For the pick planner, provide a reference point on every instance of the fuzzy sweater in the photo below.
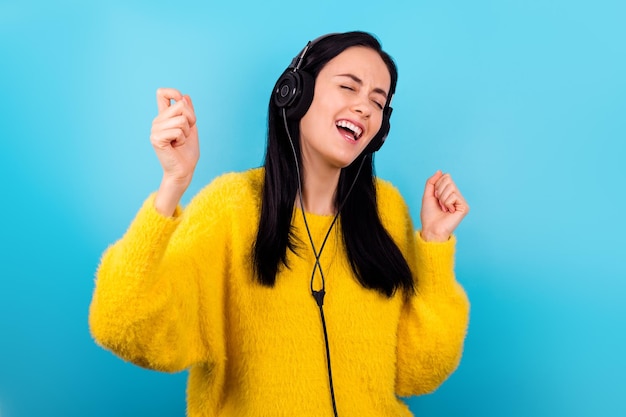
(178, 293)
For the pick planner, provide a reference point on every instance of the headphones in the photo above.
(294, 89)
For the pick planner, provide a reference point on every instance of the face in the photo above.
(347, 109)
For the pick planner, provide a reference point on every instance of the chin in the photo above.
(347, 161)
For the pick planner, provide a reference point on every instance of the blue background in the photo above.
(524, 102)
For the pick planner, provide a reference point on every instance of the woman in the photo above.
(299, 288)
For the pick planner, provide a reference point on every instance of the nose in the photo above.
(362, 107)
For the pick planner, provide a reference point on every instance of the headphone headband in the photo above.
(297, 60)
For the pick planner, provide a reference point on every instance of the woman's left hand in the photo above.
(443, 208)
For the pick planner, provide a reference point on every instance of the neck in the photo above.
(319, 185)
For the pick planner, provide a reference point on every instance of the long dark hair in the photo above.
(374, 257)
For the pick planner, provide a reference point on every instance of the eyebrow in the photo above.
(360, 82)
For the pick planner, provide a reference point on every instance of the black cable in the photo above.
(330, 372)
(319, 295)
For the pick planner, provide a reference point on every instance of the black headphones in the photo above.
(294, 93)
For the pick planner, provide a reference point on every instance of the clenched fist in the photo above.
(443, 208)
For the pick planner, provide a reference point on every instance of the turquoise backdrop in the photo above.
(524, 102)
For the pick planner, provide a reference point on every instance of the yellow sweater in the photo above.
(178, 293)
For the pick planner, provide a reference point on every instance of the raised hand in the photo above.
(443, 208)
(174, 137)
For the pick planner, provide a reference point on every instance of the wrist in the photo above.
(429, 236)
(168, 196)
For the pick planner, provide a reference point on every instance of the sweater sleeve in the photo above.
(433, 322)
(148, 306)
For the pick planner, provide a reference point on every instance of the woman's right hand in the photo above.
(174, 137)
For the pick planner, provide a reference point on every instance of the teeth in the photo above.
(354, 128)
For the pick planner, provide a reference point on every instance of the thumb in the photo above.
(164, 95)
(429, 190)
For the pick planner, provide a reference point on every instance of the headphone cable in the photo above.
(319, 295)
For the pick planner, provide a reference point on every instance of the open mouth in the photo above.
(348, 128)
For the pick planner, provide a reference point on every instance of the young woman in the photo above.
(299, 288)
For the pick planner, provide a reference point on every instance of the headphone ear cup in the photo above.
(378, 140)
(286, 88)
(294, 93)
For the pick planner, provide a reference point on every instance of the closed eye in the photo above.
(380, 106)
(350, 88)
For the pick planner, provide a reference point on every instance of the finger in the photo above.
(177, 109)
(164, 97)
(459, 204)
(163, 139)
(176, 122)
(444, 190)
(443, 180)
(429, 189)
(445, 185)
(450, 202)
(447, 194)
(174, 109)
(192, 110)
